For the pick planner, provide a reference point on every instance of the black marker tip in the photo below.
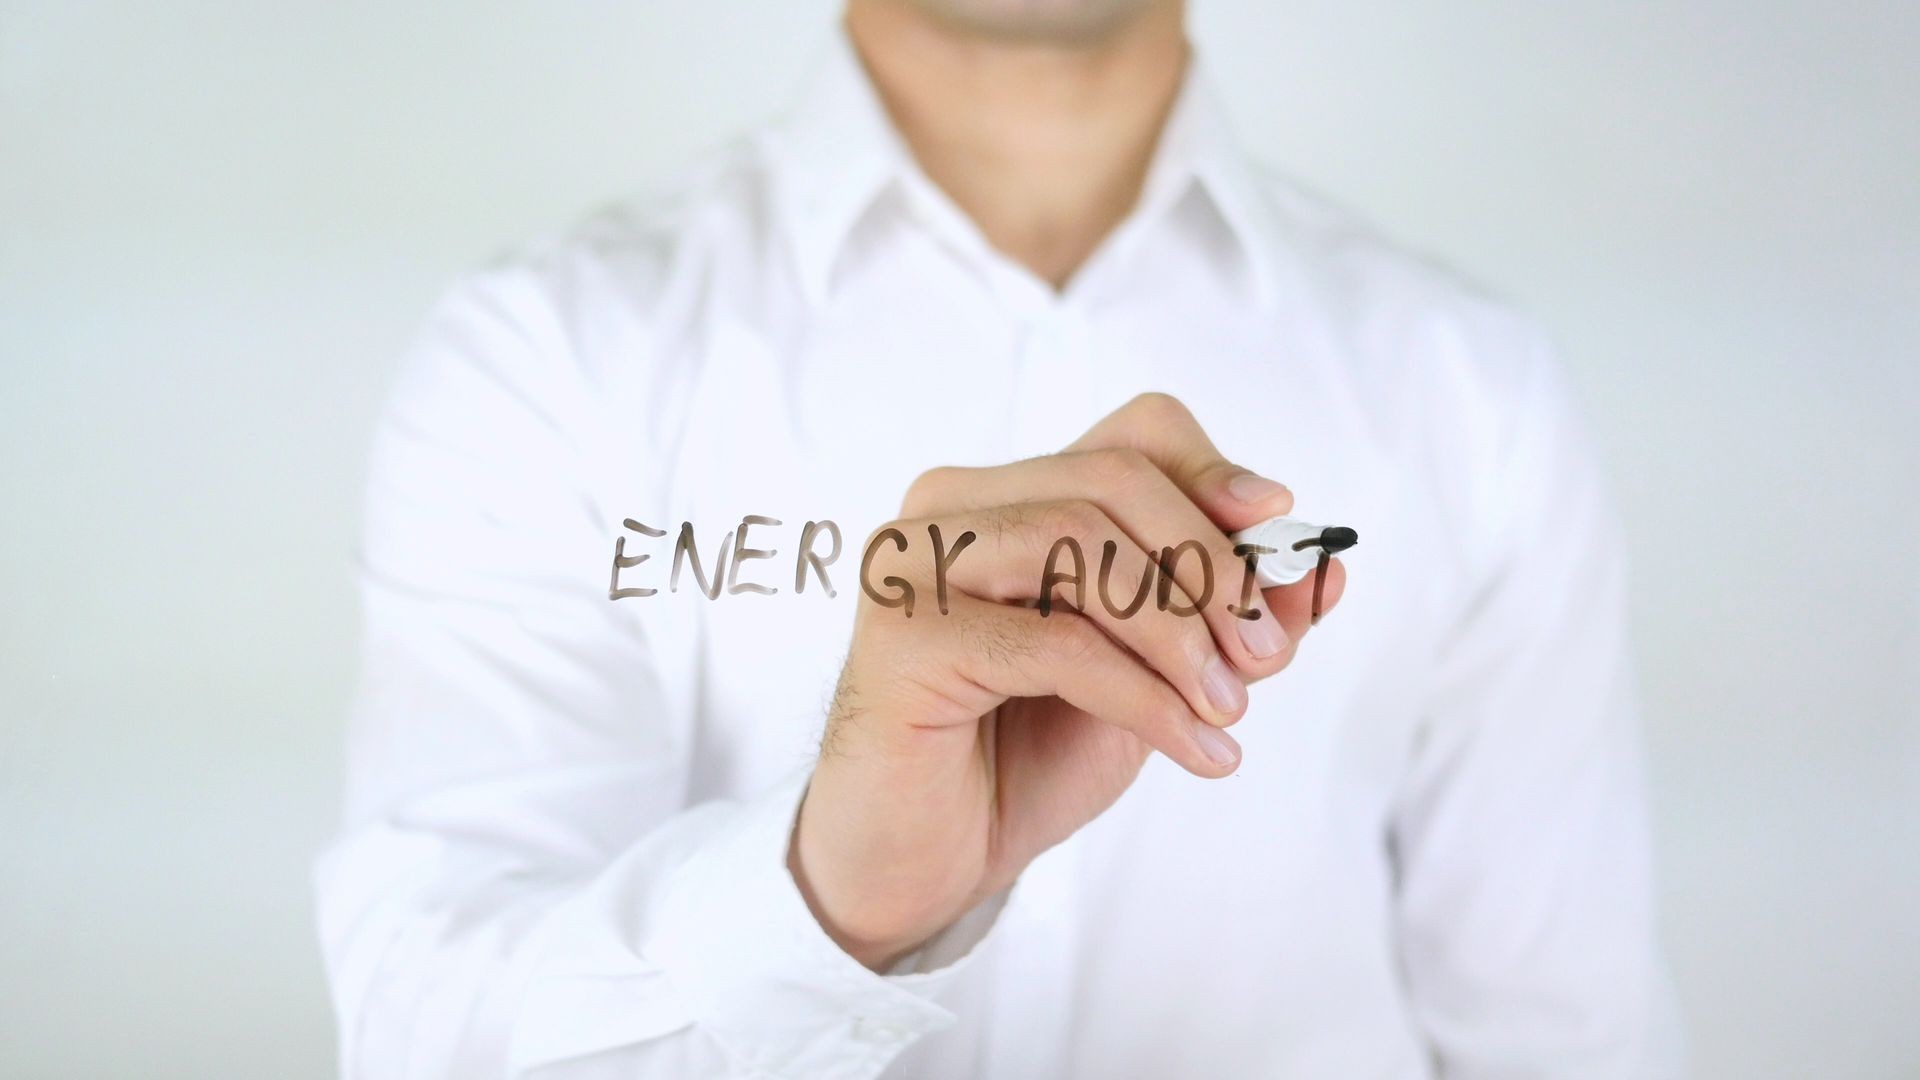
(1337, 538)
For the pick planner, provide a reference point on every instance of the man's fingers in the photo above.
(1161, 427)
(1016, 652)
(1153, 511)
(1118, 591)
(1293, 604)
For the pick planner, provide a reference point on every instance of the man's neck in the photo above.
(1045, 145)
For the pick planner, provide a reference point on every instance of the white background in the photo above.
(218, 222)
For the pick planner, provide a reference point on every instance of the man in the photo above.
(593, 837)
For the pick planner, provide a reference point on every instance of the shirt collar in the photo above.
(837, 152)
(1197, 148)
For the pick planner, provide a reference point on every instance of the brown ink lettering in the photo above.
(1170, 556)
(743, 553)
(902, 599)
(942, 559)
(1251, 553)
(1107, 553)
(685, 546)
(808, 557)
(1051, 577)
(622, 561)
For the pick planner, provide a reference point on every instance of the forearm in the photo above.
(455, 953)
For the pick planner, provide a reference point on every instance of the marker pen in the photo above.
(1296, 547)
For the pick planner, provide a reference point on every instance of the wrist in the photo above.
(857, 937)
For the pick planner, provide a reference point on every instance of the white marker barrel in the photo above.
(1293, 556)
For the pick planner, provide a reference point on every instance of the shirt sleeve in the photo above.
(520, 886)
(1519, 839)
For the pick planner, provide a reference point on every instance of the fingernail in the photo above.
(1216, 744)
(1250, 488)
(1263, 636)
(1224, 689)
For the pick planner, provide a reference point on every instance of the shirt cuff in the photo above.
(754, 967)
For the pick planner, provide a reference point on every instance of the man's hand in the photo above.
(962, 745)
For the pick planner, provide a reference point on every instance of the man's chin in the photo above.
(1057, 22)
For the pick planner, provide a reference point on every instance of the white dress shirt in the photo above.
(564, 848)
